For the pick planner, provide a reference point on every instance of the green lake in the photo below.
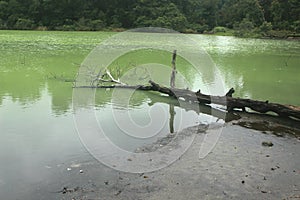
(37, 127)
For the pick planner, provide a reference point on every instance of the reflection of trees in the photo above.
(27, 59)
(21, 85)
(122, 98)
(103, 98)
(259, 76)
(61, 94)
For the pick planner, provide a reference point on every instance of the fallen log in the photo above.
(228, 101)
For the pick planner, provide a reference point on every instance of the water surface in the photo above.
(38, 134)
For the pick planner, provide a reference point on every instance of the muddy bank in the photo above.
(240, 166)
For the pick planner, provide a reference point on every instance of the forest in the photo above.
(245, 18)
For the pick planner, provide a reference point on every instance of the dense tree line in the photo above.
(182, 15)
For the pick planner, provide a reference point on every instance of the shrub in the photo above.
(3, 24)
(266, 27)
(219, 29)
(296, 26)
(24, 24)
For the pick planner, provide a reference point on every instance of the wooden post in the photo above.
(173, 73)
(172, 85)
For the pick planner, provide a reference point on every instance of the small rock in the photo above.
(267, 144)
(243, 182)
(146, 177)
(119, 192)
(64, 190)
(106, 182)
(81, 171)
(69, 169)
(264, 191)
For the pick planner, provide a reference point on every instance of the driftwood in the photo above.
(230, 103)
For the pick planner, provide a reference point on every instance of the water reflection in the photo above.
(148, 115)
(255, 68)
(21, 85)
(61, 96)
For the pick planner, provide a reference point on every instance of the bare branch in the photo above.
(113, 79)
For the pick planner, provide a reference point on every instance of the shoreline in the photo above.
(239, 166)
(287, 37)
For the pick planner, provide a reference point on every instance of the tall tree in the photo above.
(159, 13)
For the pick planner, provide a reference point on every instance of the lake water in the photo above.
(37, 127)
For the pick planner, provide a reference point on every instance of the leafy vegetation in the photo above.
(275, 18)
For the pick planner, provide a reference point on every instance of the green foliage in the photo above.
(24, 24)
(280, 34)
(3, 9)
(159, 14)
(266, 27)
(2, 24)
(235, 11)
(219, 29)
(89, 25)
(244, 28)
(246, 25)
(296, 26)
(247, 17)
(197, 28)
(285, 14)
